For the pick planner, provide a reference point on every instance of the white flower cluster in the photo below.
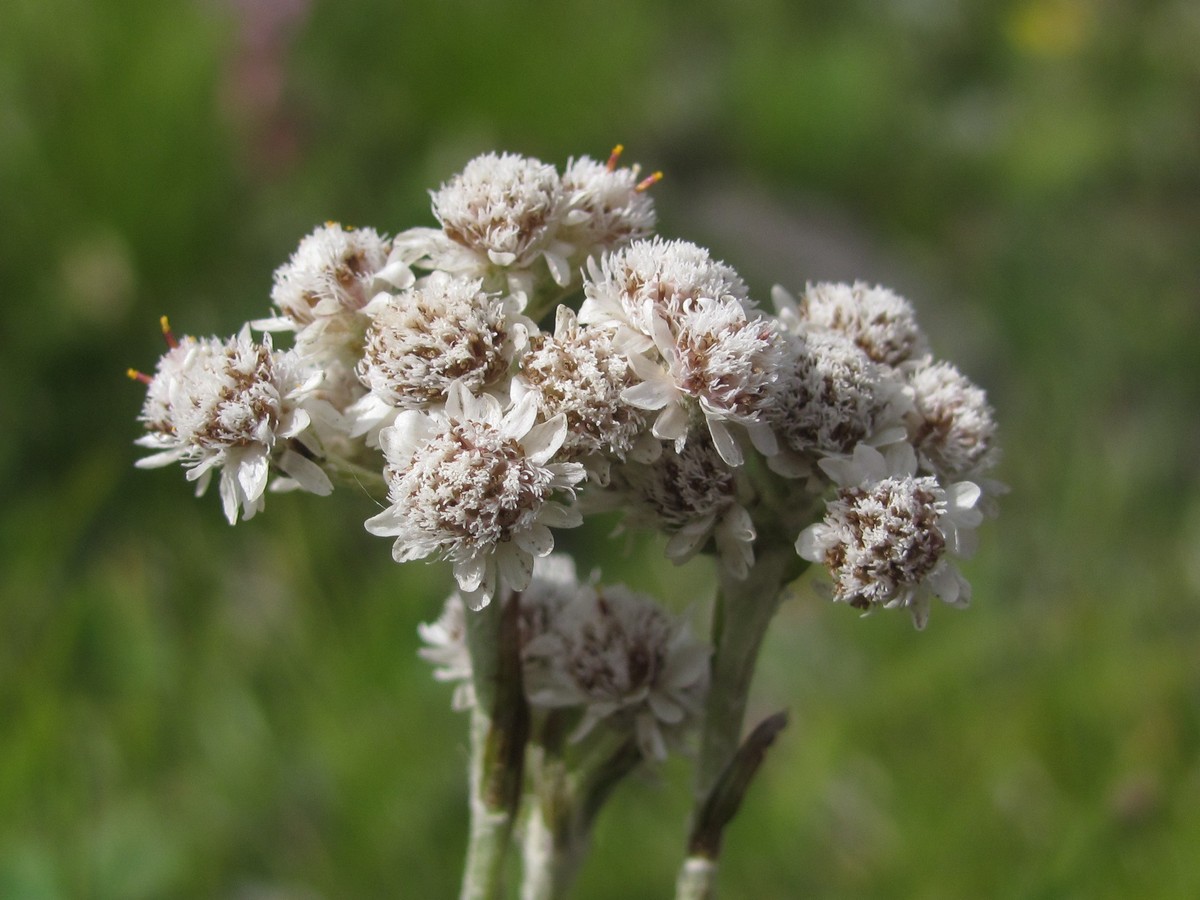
(543, 354)
(604, 654)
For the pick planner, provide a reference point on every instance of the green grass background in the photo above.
(193, 710)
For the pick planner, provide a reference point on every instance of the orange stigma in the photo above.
(135, 375)
(166, 330)
(614, 156)
(649, 180)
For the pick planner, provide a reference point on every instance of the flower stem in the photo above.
(744, 610)
(697, 879)
(558, 830)
(491, 828)
(553, 852)
(499, 730)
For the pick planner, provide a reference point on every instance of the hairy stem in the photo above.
(491, 827)
(553, 848)
(697, 879)
(499, 730)
(558, 831)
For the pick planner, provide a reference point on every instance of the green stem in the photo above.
(354, 475)
(745, 609)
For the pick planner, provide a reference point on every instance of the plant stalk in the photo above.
(744, 611)
(499, 731)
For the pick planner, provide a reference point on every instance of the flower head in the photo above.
(577, 372)
(332, 272)
(713, 358)
(888, 535)
(692, 496)
(829, 397)
(475, 485)
(881, 322)
(553, 584)
(607, 205)
(505, 210)
(444, 329)
(951, 424)
(229, 405)
(632, 288)
(625, 661)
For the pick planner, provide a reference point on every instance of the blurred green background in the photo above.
(193, 710)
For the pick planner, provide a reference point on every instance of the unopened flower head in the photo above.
(504, 207)
(630, 289)
(577, 372)
(225, 404)
(830, 396)
(879, 320)
(625, 661)
(475, 485)
(608, 205)
(332, 272)
(442, 330)
(951, 424)
(888, 535)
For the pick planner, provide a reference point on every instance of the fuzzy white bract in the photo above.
(445, 640)
(230, 405)
(830, 396)
(445, 648)
(631, 290)
(320, 295)
(712, 359)
(683, 320)
(501, 213)
(691, 495)
(614, 656)
(476, 485)
(332, 272)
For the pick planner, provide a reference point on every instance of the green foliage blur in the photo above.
(192, 710)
